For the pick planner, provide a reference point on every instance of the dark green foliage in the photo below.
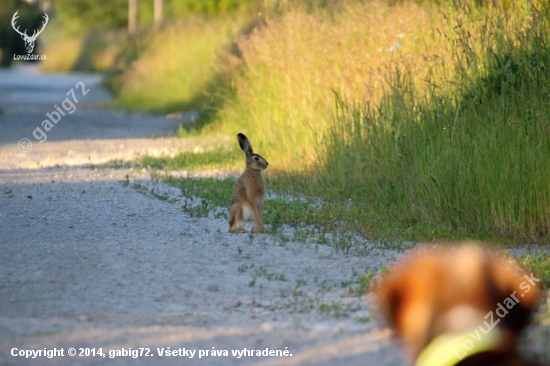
(211, 7)
(509, 71)
(80, 16)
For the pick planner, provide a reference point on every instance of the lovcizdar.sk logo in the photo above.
(29, 40)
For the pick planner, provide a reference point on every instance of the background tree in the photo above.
(82, 16)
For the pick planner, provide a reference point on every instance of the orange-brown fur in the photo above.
(249, 190)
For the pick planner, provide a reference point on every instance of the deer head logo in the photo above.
(29, 41)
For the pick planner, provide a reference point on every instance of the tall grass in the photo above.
(289, 67)
(466, 147)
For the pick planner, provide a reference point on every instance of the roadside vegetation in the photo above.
(392, 120)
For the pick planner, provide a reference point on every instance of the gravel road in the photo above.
(87, 261)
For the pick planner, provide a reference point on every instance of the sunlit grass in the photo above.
(173, 69)
(62, 55)
(218, 158)
(95, 52)
(291, 67)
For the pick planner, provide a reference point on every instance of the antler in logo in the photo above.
(29, 41)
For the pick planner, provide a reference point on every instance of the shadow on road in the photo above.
(49, 119)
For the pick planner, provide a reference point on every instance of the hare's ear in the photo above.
(245, 144)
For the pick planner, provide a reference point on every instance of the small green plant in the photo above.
(162, 196)
(243, 267)
(196, 210)
(335, 309)
(262, 272)
(365, 282)
(539, 264)
(359, 286)
(302, 234)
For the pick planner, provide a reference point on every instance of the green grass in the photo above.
(361, 284)
(217, 158)
(540, 265)
(469, 155)
(175, 68)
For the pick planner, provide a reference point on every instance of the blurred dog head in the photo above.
(458, 306)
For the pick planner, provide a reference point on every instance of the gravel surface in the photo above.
(89, 261)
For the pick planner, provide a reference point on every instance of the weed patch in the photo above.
(538, 264)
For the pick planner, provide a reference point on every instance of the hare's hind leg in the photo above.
(236, 217)
(258, 219)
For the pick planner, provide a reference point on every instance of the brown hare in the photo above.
(249, 192)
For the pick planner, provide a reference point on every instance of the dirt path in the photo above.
(87, 261)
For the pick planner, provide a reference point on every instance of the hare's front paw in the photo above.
(236, 230)
(258, 230)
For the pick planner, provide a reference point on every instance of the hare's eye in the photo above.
(256, 158)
